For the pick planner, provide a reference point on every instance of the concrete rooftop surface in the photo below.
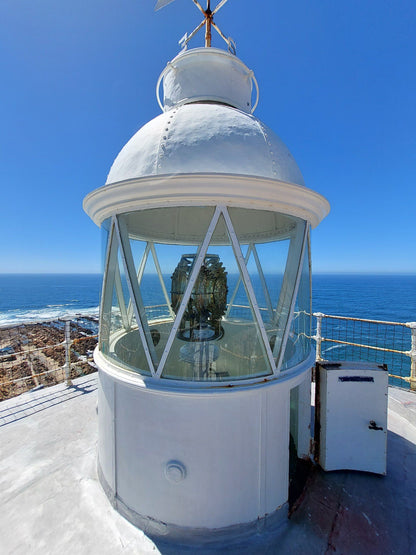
(51, 500)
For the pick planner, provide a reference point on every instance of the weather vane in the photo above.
(208, 21)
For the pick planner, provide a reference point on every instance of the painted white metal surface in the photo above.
(195, 458)
(207, 74)
(202, 138)
(188, 290)
(353, 416)
(205, 190)
(184, 454)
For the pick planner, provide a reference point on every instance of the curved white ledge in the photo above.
(295, 375)
(206, 190)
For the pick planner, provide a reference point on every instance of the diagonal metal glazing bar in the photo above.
(143, 263)
(121, 301)
(233, 296)
(135, 294)
(289, 278)
(202, 250)
(293, 299)
(263, 284)
(160, 275)
(250, 291)
(140, 273)
(107, 288)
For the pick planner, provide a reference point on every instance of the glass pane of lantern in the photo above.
(274, 246)
(285, 304)
(116, 321)
(266, 265)
(108, 292)
(299, 343)
(127, 349)
(105, 235)
(155, 262)
(267, 236)
(157, 298)
(120, 337)
(210, 344)
(122, 290)
(152, 282)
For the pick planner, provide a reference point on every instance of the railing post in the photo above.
(412, 353)
(318, 336)
(68, 352)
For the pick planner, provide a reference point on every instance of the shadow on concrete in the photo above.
(37, 401)
(359, 512)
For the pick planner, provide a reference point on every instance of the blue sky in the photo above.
(337, 84)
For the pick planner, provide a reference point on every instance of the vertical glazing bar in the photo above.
(230, 304)
(202, 250)
(293, 300)
(162, 283)
(135, 294)
(295, 249)
(143, 263)
(120, 297)
(107, 289)
(289, 280)
(263, 284)
(140, 273)
(250, 291)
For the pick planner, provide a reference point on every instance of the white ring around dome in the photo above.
(205, 190)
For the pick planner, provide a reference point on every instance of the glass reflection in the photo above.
(228, 324)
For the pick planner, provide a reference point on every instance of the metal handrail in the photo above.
(319, 339)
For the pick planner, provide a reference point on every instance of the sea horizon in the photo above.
(317, 272)
(31, 297)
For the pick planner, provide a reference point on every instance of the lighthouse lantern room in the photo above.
(204, 352)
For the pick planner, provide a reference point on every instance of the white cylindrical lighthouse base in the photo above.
(183, 461)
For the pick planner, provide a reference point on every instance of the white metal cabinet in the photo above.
(351, 428)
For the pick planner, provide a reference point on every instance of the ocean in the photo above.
(387, 297)
(34, 297)
(26, 298)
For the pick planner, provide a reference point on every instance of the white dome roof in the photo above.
(205, 138)
(206, 149)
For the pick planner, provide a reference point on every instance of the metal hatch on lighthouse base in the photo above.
(204, 353)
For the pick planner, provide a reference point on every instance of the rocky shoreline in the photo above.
(34, 355)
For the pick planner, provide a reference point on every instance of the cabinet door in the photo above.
(354, 418)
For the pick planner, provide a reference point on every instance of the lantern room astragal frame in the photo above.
(273, 320)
